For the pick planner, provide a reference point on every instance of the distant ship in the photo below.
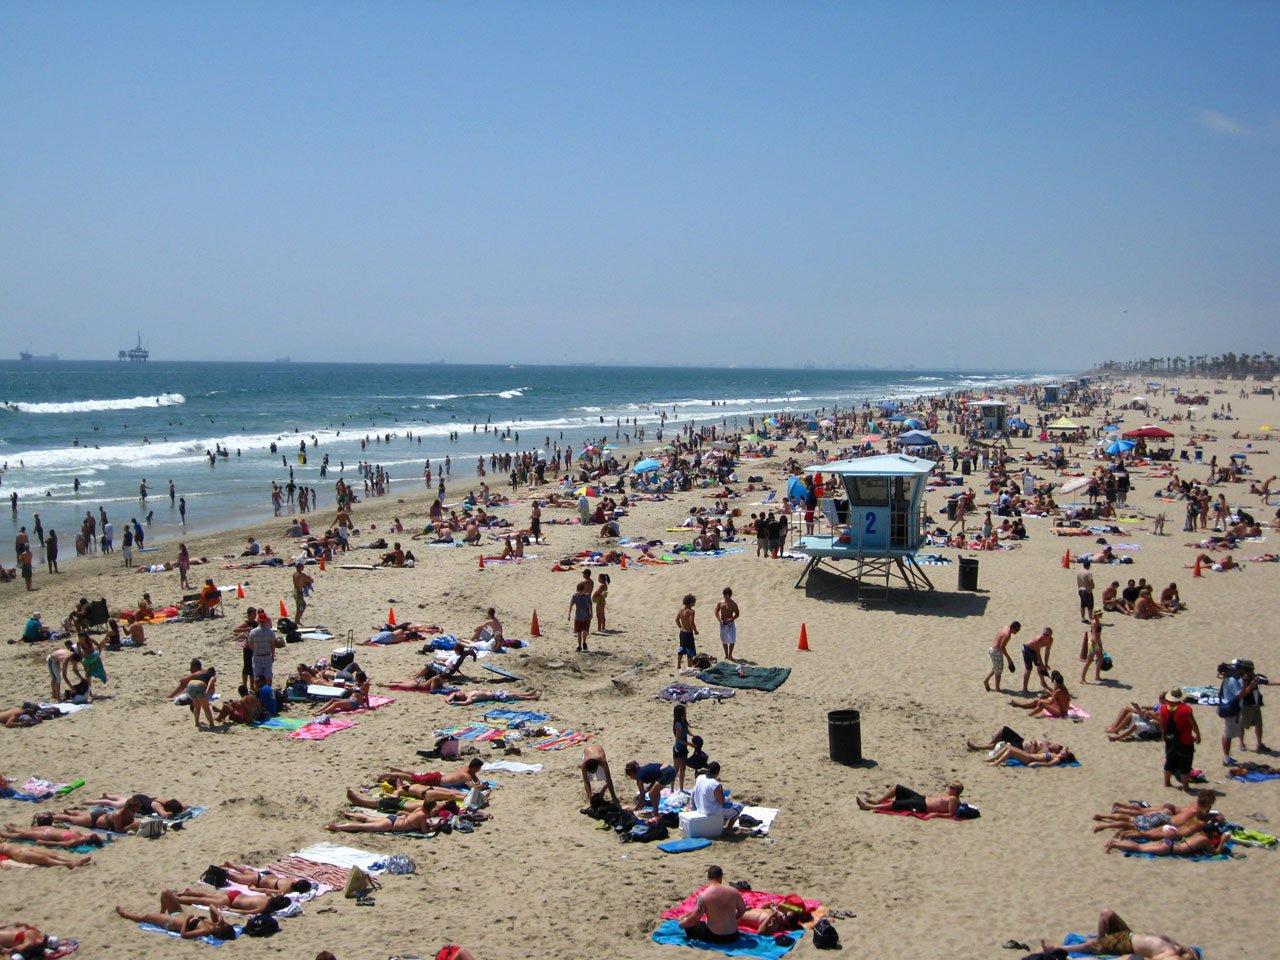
(138, 354)
(26, 356)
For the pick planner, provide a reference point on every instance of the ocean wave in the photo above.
(503, 394)
(90, 406)
(56, 490)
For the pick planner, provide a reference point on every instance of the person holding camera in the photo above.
(1239, 705)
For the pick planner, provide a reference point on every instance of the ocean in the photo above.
(112, 425)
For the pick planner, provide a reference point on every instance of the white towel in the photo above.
(340, 856)
(512, 766)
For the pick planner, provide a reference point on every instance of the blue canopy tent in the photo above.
(888, 406)
(646, 466)
(1019, 424)
(897, 418)
(1117, 447)
(913, 424)
(796, 489)
(917, 438)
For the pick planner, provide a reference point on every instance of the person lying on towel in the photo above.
(1115, 938)
(904, 799)
(406, 779)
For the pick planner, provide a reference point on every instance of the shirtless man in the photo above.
(302, 581)
(490, 628)
(727, 613)
(407, 779)
(189, 926)
(500, 696)
(717, 911)
(597, 780)
(1036, 655)
(999, 654)
(687, 626)
(1128, 816)
(1115, 937)
(902, 798)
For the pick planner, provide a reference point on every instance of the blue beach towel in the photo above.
(515, 718)
(1254, 776)
(670, 933)
(1019, 763)
(1194, 858)
(211, 941)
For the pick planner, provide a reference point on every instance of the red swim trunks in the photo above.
(431, 778)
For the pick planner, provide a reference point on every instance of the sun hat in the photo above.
(1175, 695)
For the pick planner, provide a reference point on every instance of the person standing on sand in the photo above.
(302, 582)
(688, 628)
(580, 613)
(1085, 587)
(727, 613)
(1092, 651)
(1181, 733)
(999, 653)
(51, 550)
(24, 561)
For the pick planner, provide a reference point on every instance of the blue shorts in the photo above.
(687, 644)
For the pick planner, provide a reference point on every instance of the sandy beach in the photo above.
(539, 881)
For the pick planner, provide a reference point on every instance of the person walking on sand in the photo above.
(727, 613)
(580, 613)
(999, 654)
(1181, 733)
(1091, 651)
(24, 562)
(302, 582)
(1085, 587)
(688, 631)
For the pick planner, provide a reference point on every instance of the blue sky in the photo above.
(1011, 184)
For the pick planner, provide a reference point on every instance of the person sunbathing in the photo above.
(415, 821)
(237, 900)
(263, 881)
(99, 817)
(147, 806)
(1135, 722)
(189, 926)
(18, 717)
(39, 857)
(1132, 816)
(1116, 939)
(356, 698)
(490, 628)
(1212, 820)
(248, 709)
(469, 697)
(904, 799)
(767, 921)
(1052, 755)
(407, 779)
(1207, 841)
(1010, 736)
(22, 939)
(51, 836)
(1055, 704)
(426, 797)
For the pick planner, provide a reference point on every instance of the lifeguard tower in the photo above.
(1051, 392)
(992, 413)
(872, 517)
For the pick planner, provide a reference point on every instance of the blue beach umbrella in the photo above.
(796, 489)
(913, 423)
(1018, 423)
(647, 466)
(897, 418)
(1116, 447)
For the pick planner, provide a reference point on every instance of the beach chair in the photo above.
(212, 610)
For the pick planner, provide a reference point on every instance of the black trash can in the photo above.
(844, 736)
(968, 579)
(966, 466)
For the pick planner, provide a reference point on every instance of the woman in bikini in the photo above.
(263, 881)
(102, 817)
(189, 926)
(414, 821)
(356, 698)
(1050, 755)
(40, 857)
(1207, 841)
(147, 805)
(235, 900)
(1055, 704)
(51, 836)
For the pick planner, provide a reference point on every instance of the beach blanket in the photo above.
(1202, 695)
(680, 692)
(36, 790)
(315, 635)
(211, 941)
(1075, 713)
(476, 731)
(511, 766)
(726, 674)
(920, 816)
(66, 709)
(516, 718)
(766, 816)
(566, 738)
(282, 723)
(78, 848)
(748, 944)
(1256, 776)
(1073, 938)
(1193, 858)
(1253, 838)
(1011, 762)
(345, 857)
(315, 730)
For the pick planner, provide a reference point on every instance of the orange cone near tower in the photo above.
(322, 564)
(482, 561)
(1066, 559)
(391, 616)
(622, 561)
(804, 638)
(534, 629)
(239, 591)
(1196, 572)
(284, 611)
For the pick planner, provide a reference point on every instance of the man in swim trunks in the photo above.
(727, 613)
(189, 926)
(501, 696)
(1035, 655)
(688, 629)
(596, 778)
(459, 779)
(904, 799)
(1115, 937)
(999, 653)
(716, 912)
(415, 821)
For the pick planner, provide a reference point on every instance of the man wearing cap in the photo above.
(263, 641)
(1180, 733)
(1251, 703)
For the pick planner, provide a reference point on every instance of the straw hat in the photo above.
(1175, 695)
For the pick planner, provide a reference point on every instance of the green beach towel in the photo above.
(725, 674)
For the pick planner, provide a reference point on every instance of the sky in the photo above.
(1015, 185)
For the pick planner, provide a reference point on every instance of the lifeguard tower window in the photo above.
(868, 491)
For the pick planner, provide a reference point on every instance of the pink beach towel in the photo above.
(320, 731)
(752, 898)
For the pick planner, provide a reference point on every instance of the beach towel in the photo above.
(321, 731)
(1192, 858)
(66, 709)
(511, 766)
(315, 635)
(346, 857)
(680, 692)
(415, 688)
(1256, 776)
(1018, 763)
(1073, 938)
(671, 934)
(920, 816)
(516, 718)
(1253, 838)
(211, 941)
(476, 731)
(565, 739)
(1075, 713)
(282, 723)
(726, 674)
(37, 790)
(65, 948)
(766, 816)
(752, 898)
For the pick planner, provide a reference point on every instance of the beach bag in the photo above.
(215, 876)
(825, 936)
(399, 863)
(262, 925)
(360, 885)
(152, 827)
(1107, 662)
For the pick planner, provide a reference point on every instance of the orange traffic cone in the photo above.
(623, 561)
(1196, 572)
(391, 616)
(1066, 559)
(482, 561)
(534, 630)
(804, 638)
(239, 591)
(322, 564)
(284, 611)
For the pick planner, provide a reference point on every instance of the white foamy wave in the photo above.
(503, 394)
(591, 409)
(57, 490)
(90, 406)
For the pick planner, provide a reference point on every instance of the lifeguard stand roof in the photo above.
(886, 465)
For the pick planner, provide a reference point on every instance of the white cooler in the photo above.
(693, 824)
